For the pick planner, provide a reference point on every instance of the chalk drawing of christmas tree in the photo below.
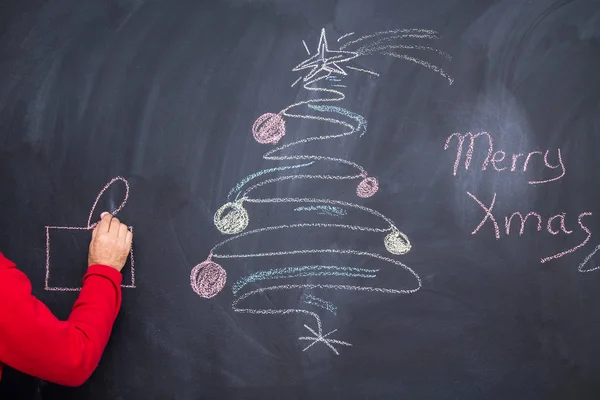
(323, 74)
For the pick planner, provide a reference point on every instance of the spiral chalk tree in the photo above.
(325, 71)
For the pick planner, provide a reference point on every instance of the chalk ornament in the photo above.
(367, 187)
(208, 279)
(269, 128)
(231, 218)
(397, 242)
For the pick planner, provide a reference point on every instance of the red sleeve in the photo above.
(34, 341)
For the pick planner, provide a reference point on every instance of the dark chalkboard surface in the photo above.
(330, 199)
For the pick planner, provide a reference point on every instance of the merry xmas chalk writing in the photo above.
(519, 162)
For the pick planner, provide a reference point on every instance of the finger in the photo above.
(95, 232)
(104, 223)
(129, 239)
(114, 226)
(122, 231)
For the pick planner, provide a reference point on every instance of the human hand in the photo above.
(111, 243)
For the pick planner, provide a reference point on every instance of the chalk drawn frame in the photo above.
(89, 227)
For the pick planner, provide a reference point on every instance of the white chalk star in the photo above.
(325, 61)
(319, 337)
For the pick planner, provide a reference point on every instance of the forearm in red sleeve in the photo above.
(34, 341)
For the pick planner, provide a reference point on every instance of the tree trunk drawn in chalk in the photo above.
(325, 71)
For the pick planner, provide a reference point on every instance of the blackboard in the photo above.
(437, 241)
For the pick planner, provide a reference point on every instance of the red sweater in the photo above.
(34, 341)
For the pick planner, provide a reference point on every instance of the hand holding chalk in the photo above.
(111, 243)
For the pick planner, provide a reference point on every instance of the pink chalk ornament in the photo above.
(367, 187)
(208, 279)
(269, 128)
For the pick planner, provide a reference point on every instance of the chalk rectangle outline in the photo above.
(49, 288)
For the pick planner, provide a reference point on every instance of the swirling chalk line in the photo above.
(582, 267)
(308, 270)
(324, 210)
(325, 71)
(324, 304)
